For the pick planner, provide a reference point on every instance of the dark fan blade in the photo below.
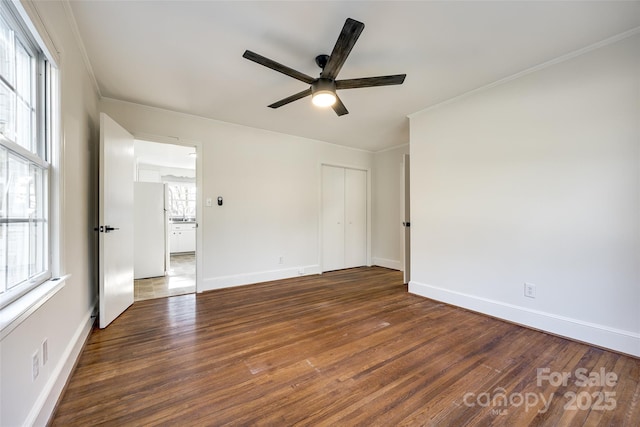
(291, 98)
(252, 56)
(397, 79)
(339, 107)
(350, 33)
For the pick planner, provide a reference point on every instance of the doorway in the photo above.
(165, 201)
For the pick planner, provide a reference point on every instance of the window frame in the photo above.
(44, 80)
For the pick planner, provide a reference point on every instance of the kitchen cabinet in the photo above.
(182, 237)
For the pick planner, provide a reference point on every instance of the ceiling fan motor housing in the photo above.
(323, 85)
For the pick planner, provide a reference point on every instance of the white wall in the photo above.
(387, 214)
(270, 183)
(65, 318)
(536, 180)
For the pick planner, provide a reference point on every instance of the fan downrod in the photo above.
(322, 60)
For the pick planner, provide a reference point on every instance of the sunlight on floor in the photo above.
(180, 280)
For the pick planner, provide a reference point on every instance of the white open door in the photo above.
(406, 219)
(116, 220)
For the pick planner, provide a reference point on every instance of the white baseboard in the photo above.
(44, 406)
(603, 336)
(258, 277)
(387, 263)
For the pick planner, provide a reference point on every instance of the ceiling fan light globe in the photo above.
(323, 98)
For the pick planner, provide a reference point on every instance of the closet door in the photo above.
(355, 250)
(332, 218)
(344, 218)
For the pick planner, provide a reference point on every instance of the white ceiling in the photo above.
(166, 155)
(187, 56)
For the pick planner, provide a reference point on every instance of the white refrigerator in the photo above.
(150, 241)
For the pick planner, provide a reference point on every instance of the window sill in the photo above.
(18, 311)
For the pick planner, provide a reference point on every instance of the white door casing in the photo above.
(115, 211)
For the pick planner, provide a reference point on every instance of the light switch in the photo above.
(209, 202)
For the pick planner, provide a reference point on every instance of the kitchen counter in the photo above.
(182, 221)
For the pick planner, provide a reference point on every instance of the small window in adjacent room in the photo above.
(25, 159)
(182, 200)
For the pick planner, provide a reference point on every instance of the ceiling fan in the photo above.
(323, 89)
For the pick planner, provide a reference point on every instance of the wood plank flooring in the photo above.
(346, 348)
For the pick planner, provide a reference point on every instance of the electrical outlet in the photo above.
(281, 260)
(45, 351)
(35, 365)
(529, 290)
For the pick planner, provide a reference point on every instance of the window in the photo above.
(25, 100)
(182, 201)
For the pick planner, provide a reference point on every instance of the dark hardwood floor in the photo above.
(346, 348)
